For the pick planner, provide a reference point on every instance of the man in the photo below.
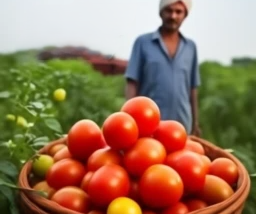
(164, 67)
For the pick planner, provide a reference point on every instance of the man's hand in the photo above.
(196, 131)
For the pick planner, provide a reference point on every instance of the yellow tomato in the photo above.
(59, 94)
(10, 117)
(41, 164)
(123, 205)
(21, 121)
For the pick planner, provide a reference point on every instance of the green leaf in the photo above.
(5, 94)
(53, 124)
(8, 168)
(37, 105)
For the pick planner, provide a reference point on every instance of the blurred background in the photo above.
(83, 47)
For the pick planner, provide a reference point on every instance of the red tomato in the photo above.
(96, 212)
(215, 190)
(190, 167)
(194, 147)
(85, 181)
(146, 152)
(55, 148)
(160, 186)
(134, 191)
(44, 186)
(207, 162)
(195, 204)
(145, 112)
(62, 154)
(172, 135)
(107, 183)
(66, 172)
(102, 157)
(120, 131)
(179, 208)
(225, 169)
(148, 212)
(84, 138)
(72, 198)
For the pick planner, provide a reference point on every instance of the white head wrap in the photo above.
(164, 3)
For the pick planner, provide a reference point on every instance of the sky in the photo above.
(221, 29)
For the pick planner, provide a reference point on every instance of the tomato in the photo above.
(215, 190)
(195, 204)
(95, 212)
(179, 208)
(55, 148)
(59, 94)
(148, 212)
(102, 157)
(85, 181)
(134, 191)
(120, 131)
(171, 134)
(190, 167)
(41, 164)
(194, 147)
(84, 138)
(72, 198)
(44, 187)
(62, 154)
(207, 162)
(66, 172)
(107, 183)
(146, 152)
(225, 169)
(145, 112)
(123, 205)
(160, 186)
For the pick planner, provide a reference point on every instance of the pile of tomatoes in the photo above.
(135, 163)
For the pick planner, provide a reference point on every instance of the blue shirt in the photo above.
(166, 80)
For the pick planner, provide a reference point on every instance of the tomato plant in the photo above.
(145, 112)
(167, 192)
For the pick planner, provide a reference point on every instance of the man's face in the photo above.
(173, 16)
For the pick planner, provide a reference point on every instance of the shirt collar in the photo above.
(156, 35)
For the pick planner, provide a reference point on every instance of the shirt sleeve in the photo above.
(135, 63)
(195, 74)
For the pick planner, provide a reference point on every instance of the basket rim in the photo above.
(243, 188)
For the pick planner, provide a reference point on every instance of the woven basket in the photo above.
(36, 204)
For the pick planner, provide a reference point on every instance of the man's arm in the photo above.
(195, 83)
(194, 107)
(131, 89)
(133, 71)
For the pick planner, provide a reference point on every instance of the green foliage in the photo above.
(227, 113)
(30, 117)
